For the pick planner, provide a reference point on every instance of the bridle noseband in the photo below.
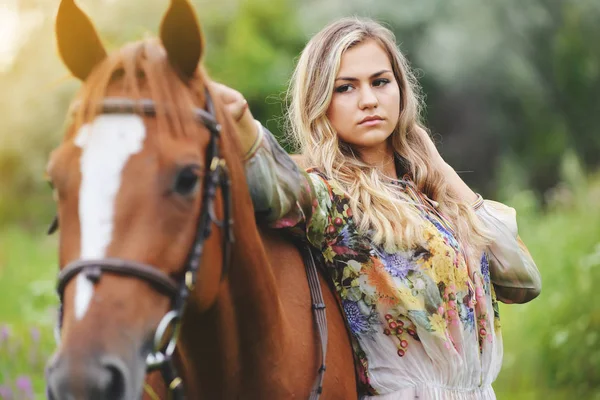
(178, 290)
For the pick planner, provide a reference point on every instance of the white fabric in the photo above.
(513, 271)
(430, 392)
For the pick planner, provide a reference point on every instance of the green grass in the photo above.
(27, 309)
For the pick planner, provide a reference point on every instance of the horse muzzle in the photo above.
(94, 378)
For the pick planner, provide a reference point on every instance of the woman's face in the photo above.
(365, 106)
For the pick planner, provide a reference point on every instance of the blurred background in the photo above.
(513, 100)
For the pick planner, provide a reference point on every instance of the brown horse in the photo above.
(145, 179)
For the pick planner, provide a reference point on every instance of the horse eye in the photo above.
(53, 225)
(187, 180)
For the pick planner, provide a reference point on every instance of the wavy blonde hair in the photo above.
(379, 207)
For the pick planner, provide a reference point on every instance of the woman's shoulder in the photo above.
(303, 163)
(324, 185)
(300, 160)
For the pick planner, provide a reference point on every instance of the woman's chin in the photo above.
(371, 140)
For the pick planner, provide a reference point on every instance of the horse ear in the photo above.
(78, 43)
(181, 36)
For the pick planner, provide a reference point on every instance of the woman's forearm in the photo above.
(248, 132)
(457, 185)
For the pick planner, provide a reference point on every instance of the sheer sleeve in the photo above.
(285, 196)
(513, 272)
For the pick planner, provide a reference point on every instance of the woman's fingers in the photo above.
(227, 94)
(234, 102)
(237, 109)
(237, 106)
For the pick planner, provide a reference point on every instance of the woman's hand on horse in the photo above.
(237, 107)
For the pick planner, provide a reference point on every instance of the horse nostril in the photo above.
(50, 393)
(115, 385)
(51, 377)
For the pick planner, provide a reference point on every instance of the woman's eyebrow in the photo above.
(352, 79)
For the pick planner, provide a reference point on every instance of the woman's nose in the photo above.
(367, 99)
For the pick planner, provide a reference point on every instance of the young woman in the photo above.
(417, 258)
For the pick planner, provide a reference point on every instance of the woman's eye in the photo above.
(187, 181)
(381, 82)
(343, 88)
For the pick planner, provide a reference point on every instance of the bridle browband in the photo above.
(177, 289)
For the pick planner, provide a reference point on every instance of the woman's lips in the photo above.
(371, 122)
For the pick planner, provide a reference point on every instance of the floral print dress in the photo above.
(424, 324)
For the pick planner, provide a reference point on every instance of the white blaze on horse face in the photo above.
(107, 144)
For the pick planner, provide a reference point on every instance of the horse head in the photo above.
(143, 198)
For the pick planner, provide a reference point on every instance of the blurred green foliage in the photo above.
(511, 87)
(552, 344)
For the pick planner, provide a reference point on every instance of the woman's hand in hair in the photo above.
(237, 107)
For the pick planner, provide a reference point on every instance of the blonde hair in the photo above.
(379, 207)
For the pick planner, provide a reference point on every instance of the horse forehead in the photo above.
(107, 143)
(115, 134)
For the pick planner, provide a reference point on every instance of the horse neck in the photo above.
(245, 329)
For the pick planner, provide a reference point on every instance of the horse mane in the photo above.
(142, 70)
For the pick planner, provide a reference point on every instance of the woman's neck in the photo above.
(382, 158)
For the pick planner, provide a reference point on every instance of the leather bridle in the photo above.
(178, 289)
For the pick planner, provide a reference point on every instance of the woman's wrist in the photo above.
(249, 153)
(476, 205)
(248, 131)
